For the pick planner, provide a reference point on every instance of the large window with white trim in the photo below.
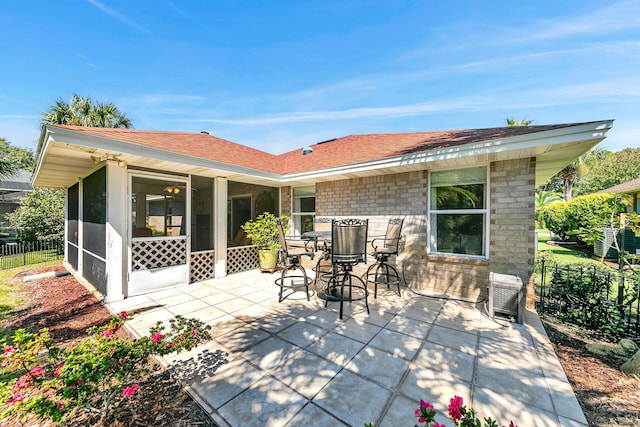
(458, 211)
(304, 209)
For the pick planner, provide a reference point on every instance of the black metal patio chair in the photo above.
(293, 275)
(382, 272)
(348, 248)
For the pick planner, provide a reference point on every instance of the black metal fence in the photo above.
(25, 253)
(595, 298)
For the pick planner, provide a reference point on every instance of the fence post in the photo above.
(620, 280)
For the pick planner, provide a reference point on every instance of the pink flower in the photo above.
(56, 372)
(512, 424)
(60, 405)
(194, 331)
(455, 407)
(9, 351)
(129, 391)
(425, 412)
(107, 333)
(37, 371)
(427, 405)
(156, 337)
(437, 424)
(80, 382)
(22, 382)
(124, 314)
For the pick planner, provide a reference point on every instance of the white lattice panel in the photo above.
(242, 258)
(147, 254)
(202, 266)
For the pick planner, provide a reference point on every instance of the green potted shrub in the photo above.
(263, 232)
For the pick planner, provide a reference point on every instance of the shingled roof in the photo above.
(199, 144)
(632, 186)
(67, 152)
(352, 149)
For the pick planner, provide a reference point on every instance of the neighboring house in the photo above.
(466, 196)
(13, 188)
(630, 187)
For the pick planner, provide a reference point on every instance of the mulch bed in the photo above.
(67, 308)
(607, 396)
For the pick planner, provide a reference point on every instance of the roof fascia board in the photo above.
(531, 141)
(115, 147)
(43, 148)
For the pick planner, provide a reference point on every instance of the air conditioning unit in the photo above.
(506, 296)
(605, 248)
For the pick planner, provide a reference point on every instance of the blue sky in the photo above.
(281, 75)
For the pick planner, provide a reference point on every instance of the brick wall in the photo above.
(379, 198)
(512, 227)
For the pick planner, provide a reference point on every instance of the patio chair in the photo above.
(348, 248)
(322, 269)
(293, 275)
(381, 272)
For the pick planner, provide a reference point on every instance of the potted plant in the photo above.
(263, 232)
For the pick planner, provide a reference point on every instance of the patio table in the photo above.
(316, 236)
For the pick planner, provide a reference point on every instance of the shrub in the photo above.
(57, 382)
(584, 216)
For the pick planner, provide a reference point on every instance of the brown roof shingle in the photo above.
(352, 149)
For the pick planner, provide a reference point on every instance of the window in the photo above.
(303, 210)
(458, 211)
(158, 207)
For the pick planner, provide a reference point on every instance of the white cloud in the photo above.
(619, 16)
(119, 16)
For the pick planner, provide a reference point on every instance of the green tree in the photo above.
(512, 122)
(40, 215)
(15, 158)
(614, 169)
(6, 167)
(575, 172)
(81, 111)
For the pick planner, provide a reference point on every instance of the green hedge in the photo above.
(584, 216)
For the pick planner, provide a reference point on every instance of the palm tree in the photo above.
(570, 173)
(545, 198)
(81, 111)
(512, 122)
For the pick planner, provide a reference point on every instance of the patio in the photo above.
(295, 363)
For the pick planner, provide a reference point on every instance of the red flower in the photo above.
(156, 337)
(425, 412)
(56, 372)
(22, 382)
(9, 351)
(437, 424)
(124, 314)
(129, 391)
(37, 371)
(455, 407)
(107, 333)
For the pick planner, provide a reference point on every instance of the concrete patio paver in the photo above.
(295, 363)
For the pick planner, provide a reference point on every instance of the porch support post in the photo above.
(220, 226)
(117, 208)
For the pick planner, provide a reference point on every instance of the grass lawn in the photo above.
(564, 254)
